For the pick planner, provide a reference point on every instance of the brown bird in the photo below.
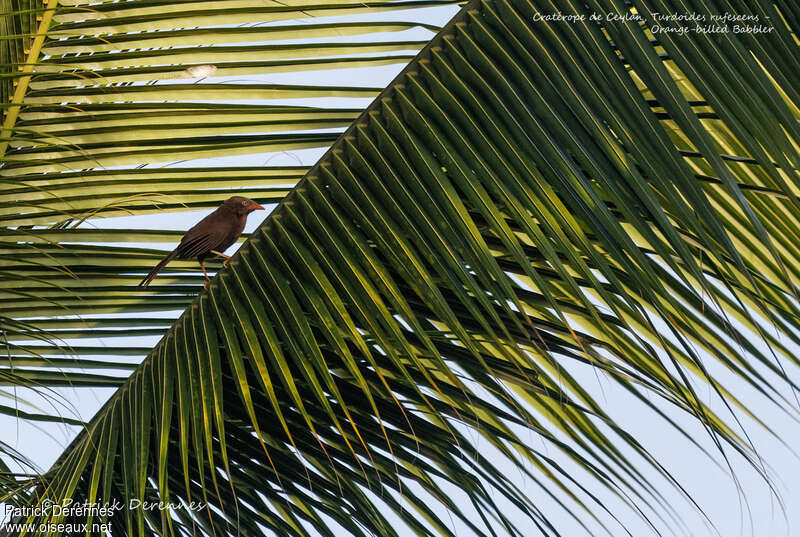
(210, 236)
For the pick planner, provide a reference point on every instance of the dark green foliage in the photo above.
(524, 196)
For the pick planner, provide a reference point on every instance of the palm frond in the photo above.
(523, 197)
(136, 108)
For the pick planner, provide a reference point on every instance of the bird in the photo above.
(211, 236)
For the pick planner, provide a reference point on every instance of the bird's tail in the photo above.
(152, 274)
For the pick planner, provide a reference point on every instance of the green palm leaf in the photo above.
(523, 197)
(102, 120)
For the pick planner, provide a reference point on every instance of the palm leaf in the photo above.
(523, 197)
(93, 115)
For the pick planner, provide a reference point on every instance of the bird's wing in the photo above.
(201, 243)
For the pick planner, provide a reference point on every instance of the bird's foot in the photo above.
(220, 254)
(205, 283)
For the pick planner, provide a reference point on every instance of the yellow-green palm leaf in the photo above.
(523, 197)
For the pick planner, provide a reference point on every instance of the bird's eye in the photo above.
(244, 203)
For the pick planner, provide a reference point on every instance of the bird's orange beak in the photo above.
(255, 207)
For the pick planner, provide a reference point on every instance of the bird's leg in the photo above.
(208, 280)
(227, 257)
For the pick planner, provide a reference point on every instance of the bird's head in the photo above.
(242, 205)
